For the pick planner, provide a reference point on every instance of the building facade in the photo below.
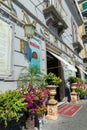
(55, 47)
(83, 31)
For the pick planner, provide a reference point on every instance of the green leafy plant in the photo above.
(79, 90)
(11, 105)
(85, 81)
(84, 93)
(35, 93)
(52, 79)
(30, 76)
(79, 80)
(72, 79)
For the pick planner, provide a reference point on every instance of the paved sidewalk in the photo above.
(77, 122)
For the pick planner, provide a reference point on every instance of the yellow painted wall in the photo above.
(80, 6)
(81, 32)
(83, 53)
(83, 50)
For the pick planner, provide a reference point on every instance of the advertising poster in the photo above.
(34, 53)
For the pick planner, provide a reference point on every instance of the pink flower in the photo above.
(34, 97)
(33, 110)
(28, 98)
(22, 91)
(42, 100)
(29, 105)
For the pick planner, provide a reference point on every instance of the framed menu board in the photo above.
(5, 48)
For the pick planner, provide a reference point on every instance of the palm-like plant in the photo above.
(31, 77)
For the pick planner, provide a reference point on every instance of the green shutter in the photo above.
(84, 5)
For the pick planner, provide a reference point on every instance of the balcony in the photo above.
(54, 15)
(78, 44)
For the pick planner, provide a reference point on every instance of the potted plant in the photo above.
(11, 107)
(30, 76)
(33, 80)
(52, 82)
(79, 91)
(79, 80)
(84, 94)
(72, 79)
(52, 79)
(35, 98)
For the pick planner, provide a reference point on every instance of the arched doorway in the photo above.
(55, 66)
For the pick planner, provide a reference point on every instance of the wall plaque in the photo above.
(5, 48)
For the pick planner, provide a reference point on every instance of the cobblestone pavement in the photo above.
(77, 122)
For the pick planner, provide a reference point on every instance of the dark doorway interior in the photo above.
(78, 72)
(54, 66)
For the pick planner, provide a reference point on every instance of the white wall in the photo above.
(19, 59)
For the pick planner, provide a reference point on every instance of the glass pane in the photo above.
(84, 5)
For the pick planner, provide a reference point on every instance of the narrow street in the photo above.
(77, 122)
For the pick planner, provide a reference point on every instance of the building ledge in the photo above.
(54, 18)
(78, 46)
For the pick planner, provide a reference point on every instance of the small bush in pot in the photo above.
(52, 79)
(79, 91)
(11, 106)
(72, 79)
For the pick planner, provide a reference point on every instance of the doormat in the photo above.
(69, 109)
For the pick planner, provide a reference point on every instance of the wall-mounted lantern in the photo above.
(29, 27)
(29, 30)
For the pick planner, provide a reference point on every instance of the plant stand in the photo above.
(73, 95)
(2, 126)
(30, 122)
(14, 125)
(52, 108)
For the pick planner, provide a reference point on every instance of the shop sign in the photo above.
(34, 53)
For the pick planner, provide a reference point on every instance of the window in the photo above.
(85, 26)
(84, 5)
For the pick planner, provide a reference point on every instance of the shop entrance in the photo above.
(54, 66)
